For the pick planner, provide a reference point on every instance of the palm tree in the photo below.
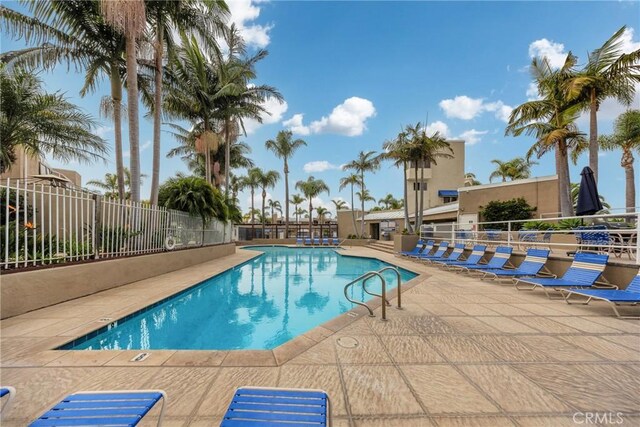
(284, 146)
(73, 32)
(609, 73)
(275, 206)
(300, 212)
(265, 179)
(470, 179)
(425, 150)
(398, 151)
(296, 199)
(129, 16)
(204, 19)
(351, 180)
(43, 123)
(366, 162)
(110, 184)
(322, 212)
(197, 197)
(312, 188)
(517, 168)
(339, 204)
(252, 181)
(388, 201)
(551, 120)
(365, 196)
(625, 137)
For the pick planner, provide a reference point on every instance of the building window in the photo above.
(416, 186)
(450, 199)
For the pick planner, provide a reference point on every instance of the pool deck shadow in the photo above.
(460, 352)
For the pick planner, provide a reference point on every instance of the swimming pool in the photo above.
(257, 305)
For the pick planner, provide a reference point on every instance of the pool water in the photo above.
(260, 304)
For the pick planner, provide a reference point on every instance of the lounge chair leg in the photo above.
(581, 303)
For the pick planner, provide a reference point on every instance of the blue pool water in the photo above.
(260, 304)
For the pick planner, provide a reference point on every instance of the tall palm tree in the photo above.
(296, 199)
(351, 180)
(517, 168)
(388, 202)
(366, 162)
(129, 16)
(425, 150)
(365, 196)
(339, 204)
(322, 212)
(551, 120)
(284, 146)
(73, 32)
(625, 137)
(239, 99)
(312, 188)
(42, 123)
(252, 181)
(398, 151)
(275, 206)
(206, 19)
(265, 179)
(609, 73)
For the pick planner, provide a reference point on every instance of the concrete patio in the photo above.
(461, 353)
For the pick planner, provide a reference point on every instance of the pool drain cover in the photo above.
(347, 342)
(140, 357)
(350, 314)
(105, 319)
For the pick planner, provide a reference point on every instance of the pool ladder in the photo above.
(383, 295)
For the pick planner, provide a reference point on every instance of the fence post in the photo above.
(509, 233)
(97, 223)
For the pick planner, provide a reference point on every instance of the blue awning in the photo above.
(447, 193)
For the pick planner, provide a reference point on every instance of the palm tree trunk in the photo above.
(415, 196)
(406, 205)
(310, 218)
(134, 126)
(116, 96)
(227, 158)
(353, 212)
(362, 188)
(155, 174)
(593, 134)
(564, 182)
(264, 198)
(630, 184)
(286, 199)
(253, 213)
(419, 218)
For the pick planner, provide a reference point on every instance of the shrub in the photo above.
(539, 225)
(509, 210)
(569, 224)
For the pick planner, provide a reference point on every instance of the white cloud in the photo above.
(461, 107)
(554, 52)
(102, 131)
(472, 136)
(627, 45)
(466, 108)
(501, 110)
(438, 126)
(532, 92)
(257, 199)
(296, 126)
(349, 119)
(319, 166)
(274, 113)
(243, 13)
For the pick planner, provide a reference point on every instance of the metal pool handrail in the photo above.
(383, 295)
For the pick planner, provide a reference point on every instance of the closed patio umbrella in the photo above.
(588, 198)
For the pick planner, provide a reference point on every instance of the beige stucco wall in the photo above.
(26, 166)
(447, 174)
(345, 223)
(540, 192)
(22, 292)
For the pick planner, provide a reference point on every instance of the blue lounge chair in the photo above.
(325, 241)
(585, 269)
(532, 265)
(454, 255)
(335, 241)
(307, 241)
(6, 394)
(272, 407)
(299, 241)
(316, 240)
(442, 248)
(497, 261)
(99, 408)
(420, 247)
(615, 297)
(474, 258)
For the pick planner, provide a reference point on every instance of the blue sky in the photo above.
(353, 73)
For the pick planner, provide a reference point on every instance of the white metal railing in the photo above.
(41, 225)
(615, 234)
